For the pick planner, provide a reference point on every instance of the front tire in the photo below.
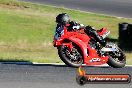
(73, 58)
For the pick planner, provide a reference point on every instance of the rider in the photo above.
(63, 19)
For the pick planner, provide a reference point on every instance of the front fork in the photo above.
(69, 46)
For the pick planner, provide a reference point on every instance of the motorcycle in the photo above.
(76, 48)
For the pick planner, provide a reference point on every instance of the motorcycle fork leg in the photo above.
(69, 45)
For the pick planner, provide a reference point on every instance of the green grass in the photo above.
(27, 29)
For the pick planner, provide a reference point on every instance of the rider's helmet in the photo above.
(63, 19)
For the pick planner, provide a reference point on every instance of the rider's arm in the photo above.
(75, 25)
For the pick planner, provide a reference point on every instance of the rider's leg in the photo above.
(92, 32)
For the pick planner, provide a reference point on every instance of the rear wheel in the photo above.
(117, 59)
(72, 58)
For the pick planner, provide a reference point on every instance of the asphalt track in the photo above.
(53, 76)
(121, 8)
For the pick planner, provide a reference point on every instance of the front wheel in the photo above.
(72, 58)
(117, 59)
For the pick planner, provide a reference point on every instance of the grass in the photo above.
(27, 29)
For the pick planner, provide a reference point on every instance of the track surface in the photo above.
(121, 8)
(53, 76)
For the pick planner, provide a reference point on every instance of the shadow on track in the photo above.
(47, 64)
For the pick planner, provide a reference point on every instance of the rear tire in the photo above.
(66, 58)
(121, 60)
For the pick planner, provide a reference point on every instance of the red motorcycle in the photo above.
(76, 48)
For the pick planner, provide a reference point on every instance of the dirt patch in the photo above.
(13, 6)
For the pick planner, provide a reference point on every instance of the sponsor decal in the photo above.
(84, 78)
(95, 60)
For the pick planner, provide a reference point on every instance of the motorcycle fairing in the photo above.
(89, 53)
